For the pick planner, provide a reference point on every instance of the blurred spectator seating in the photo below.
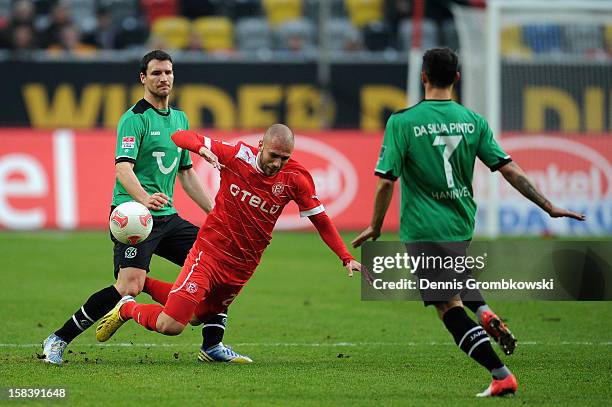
(174, 31)
(311, 9)
(200, 8)
(83, 13)
(5, 10)
(132, 32)
(253, 34)
(215, 33)
(542, 38)
(238, 9)
(450, 37)
(582, 38)
(609, 39)
(121, 9)
(295, 36)
(281, 11)
(363, 12)
(156, 9)
(376, 36)
(341, 35)
(70, 42)
(512, 42)
(105, 30)
(429, 34)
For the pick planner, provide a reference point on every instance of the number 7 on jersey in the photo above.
(450, 144)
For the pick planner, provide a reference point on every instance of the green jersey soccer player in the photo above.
(147, 164)
(432, 148)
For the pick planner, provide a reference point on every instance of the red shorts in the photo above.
(200, 290)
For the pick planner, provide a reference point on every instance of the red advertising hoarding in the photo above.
(63, 179)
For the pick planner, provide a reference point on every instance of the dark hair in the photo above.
(440, 66)
(157, 54)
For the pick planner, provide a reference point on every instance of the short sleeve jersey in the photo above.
(143, 138)
(248, 205)
(432, 147)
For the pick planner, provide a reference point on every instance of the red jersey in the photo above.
(248, 204)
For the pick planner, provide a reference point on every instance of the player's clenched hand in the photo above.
(210, 157)
(556, 212)
(156, 201)
(351, 266)
(367, 234)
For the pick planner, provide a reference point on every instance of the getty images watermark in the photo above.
(503, 270)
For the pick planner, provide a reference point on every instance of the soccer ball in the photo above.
(131, 223)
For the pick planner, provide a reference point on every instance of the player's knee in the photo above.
(169, 327)
(195, 321)
(442, 307)
(130, 281)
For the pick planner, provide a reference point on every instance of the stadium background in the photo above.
(243, 64)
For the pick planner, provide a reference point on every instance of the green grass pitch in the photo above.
(301, 319)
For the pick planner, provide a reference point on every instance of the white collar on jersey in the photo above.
(257, 167)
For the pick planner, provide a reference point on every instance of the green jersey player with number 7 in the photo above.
(432, 147)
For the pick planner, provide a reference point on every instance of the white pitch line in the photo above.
(305, 345)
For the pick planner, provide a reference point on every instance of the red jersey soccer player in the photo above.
(256, 184)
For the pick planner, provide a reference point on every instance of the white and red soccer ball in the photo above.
(131, 223)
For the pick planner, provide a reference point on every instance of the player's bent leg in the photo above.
(157, 289)
(442, 307)
(112, 321)
(493, 325)
(472, 339)
(168, 326)
(498, 330)
(130, 281)
(213, 312)
(93, 309)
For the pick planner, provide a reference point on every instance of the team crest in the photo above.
(278, 188)
(130, 252)
(191, 288)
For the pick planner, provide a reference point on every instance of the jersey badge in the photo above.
(278, 188)
(128, 142)
(245, 154)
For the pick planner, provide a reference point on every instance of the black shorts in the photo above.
(446, 279)
(171, 238)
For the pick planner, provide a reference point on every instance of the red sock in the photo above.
(143, 314)
(158, 290)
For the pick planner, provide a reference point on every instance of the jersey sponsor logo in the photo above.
(245, 154)
(334, 176)
(160, 163)
(131, 252)
(155, 133)
(253, 200)
(278, 188)
(191, 287)
(128, 142)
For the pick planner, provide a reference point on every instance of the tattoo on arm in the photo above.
(529, 190)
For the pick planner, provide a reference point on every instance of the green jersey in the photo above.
(143, 138)
(432, 147)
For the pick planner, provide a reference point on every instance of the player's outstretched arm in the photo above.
(194, 142)
(194, 188)
(124, 172)
(518, 179)
(332, 239)
(382, 199)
